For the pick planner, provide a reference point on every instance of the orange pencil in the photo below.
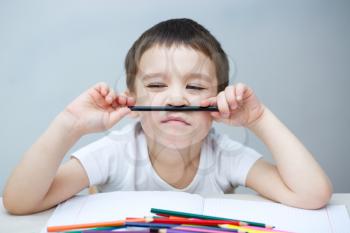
(85, 225)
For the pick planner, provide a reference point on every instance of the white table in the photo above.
(35, 222)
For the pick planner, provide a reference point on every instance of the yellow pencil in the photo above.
(249, 229)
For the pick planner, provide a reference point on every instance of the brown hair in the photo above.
(178, 32)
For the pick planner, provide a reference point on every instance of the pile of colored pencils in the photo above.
(168, 221)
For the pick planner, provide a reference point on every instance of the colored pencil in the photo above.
(92, 229)
(135, 219)
(200, 216)
(174, 108)
(150, 225)
(85, 225)
(203, 222)
(205, 229)
(175, 217)
(250, 229)
(129, 231)
(99, 229)
(173, 231)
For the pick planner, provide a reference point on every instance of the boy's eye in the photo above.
(197, 88)
(156, 85)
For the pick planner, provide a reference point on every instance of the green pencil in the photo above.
(200, 216)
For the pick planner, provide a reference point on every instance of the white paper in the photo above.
(121, 204)
(332, 219)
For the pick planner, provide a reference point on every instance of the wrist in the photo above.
(69, 123)
(256, 124)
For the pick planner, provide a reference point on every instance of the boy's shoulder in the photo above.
(127, 133)
(113, 139)
(123, 139)
(221, 142)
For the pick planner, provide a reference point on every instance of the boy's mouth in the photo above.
(175, 120)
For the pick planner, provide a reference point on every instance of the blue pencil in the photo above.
(149, 225)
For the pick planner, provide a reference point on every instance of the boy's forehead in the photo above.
(180, 59)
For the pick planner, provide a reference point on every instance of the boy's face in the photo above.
(175, 76)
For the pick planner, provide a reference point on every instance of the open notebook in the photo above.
(118, 205)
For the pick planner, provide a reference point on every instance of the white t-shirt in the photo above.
(120, 161)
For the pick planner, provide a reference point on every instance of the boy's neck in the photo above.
(177, 167)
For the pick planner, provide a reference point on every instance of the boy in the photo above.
(175, 63)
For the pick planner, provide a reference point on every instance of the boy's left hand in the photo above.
(237, 104)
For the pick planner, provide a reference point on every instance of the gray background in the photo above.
(294, 54)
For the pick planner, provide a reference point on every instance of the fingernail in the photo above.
(239, 97)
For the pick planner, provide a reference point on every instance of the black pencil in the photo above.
(174, 108)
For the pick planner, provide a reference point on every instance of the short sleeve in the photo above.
(238, 159)
(95, 159)
(243, 163)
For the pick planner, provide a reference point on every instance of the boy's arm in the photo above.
(37, 182)
(296, 179)
(34, 185)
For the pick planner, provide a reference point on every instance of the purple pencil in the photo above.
(173, 231)
(109, 231)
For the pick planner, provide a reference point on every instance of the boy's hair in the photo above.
(178, 32)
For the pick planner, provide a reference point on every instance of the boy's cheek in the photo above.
(148, 99)
(196, 100)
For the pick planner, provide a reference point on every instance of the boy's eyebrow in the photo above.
(187, 76)
(153, 75)
(200, 76)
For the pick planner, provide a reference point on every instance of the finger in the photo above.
(223, 105)
(96, 94)
(215, 115)
(231, 97)
(110, 97)
(102, 88)
(130, 101)
(114, 104)
(212, 101)
(242, 92)
(126, 99)
(122, 100)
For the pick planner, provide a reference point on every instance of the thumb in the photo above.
(133, 114)
(216, 116)
(117, 115)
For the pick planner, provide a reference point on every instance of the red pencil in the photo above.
(195, 221)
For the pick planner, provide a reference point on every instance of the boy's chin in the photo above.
(179, 140)
(176, 137)
(175, 143)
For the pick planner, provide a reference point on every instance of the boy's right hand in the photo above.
(98, 109)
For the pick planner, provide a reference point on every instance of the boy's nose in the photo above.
(177, 102)
(177, 99)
